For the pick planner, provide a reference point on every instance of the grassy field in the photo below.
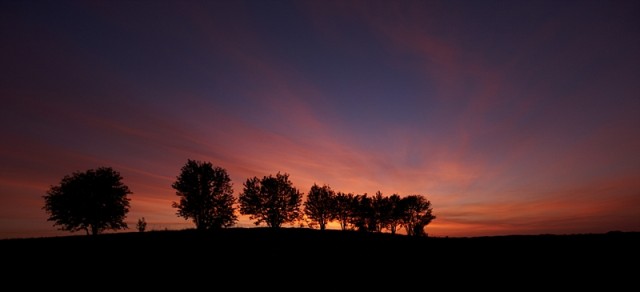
(292, 253)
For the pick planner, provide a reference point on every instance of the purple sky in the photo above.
(511, 117)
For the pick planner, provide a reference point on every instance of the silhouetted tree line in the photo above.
(97, 200)
(364, 213)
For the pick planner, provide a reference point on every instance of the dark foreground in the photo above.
(247, 255)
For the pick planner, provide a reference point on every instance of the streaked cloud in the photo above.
(507, 126)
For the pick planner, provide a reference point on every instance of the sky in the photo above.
(511, 117)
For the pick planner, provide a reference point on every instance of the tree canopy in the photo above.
(94, 200)
(319, 206)
(342, 210)
(272, 200)
(415, 214)
(206, 195)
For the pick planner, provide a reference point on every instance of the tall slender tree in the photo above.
(342, 209)
(395, 214)
(381, 211)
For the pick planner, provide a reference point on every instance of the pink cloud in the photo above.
(598, 207)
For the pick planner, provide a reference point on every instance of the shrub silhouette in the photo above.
(141, 225)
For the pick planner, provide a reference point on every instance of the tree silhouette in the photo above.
(416, 214)
(319, 205)
(141, 225)
(395, 218)
(206, 195)
(272, 200)
(94, 201)
(342, 209)
(381, 212)
(362, 217)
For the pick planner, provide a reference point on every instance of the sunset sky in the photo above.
(511, 117)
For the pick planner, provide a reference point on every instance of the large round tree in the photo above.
(206, 195)
(93, 201)
(272, 200)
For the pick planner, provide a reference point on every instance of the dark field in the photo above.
(245, 255)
